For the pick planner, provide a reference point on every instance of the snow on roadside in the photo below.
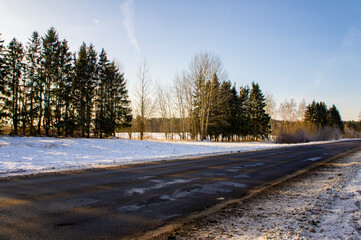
(324, 203)
(26, 155)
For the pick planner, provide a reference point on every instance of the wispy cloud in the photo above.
(127, 9)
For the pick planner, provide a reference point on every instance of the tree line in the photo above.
(47, 89)
(204, 104)
(318, 114)
(303, 123)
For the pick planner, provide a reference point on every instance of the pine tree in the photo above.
(117, 103)
(3, 65)
(100, 102)
(316, 113)
(50, 68)
(215, 117)
(12, 86)
(200, 102)
(63, 84)
(234, 113)
(334, 118)
(259, 119)
(310, 113)
(34, 85)
(216, 104)
(244, 112)
(226, 110)
(3, 73)
(121, 111)
(321, 114)
(90, 87)
(80, 84)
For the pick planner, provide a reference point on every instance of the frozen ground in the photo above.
(323, 203)
(27, 155)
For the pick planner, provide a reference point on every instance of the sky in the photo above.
(294, 49)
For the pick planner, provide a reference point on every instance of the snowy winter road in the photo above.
(126, 202)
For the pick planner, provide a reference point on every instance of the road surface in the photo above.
(128, 201)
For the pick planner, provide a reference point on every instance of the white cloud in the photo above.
(127, 9)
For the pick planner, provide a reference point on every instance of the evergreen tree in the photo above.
(63, 84)
(12, 86)
(334, 118)
(100, 102)
(258, 118)
(90, 87)
(316, 113)
(3, 73)
(214, 118)
(321, 114)
(310, 113)
(229, 111)
(244, 115)
(80, 88)
(234, 113)
(200, 102)
(3, 65)
(34, 85)
(117, 103)
(50, 68)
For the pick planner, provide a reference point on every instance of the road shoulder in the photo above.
(322, 203)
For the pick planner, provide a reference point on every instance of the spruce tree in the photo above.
(100, 101)
(3, 72)
(120, 111)
(310, 113)
(259, 119)
(90, 87)
(234, 113)
(334, 118)
(316, 113)
(321, 114)
(12, 86)
(3, 65)
(62, 92)
(80, 84)
(34, 85)
(214, 115)
(50, 67)
(244, 112)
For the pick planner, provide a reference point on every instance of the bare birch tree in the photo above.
(165, 107)
(144, 103)
(288, 110)
(183, 103)
(270, 105)
(301, 110)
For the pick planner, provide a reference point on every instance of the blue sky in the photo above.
(293, 49)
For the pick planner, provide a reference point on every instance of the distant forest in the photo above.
(45, 89)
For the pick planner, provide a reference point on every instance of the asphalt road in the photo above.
(128, 201)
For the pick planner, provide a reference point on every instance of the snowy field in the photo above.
(150, 136)
(323, 203)
(27, 155)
